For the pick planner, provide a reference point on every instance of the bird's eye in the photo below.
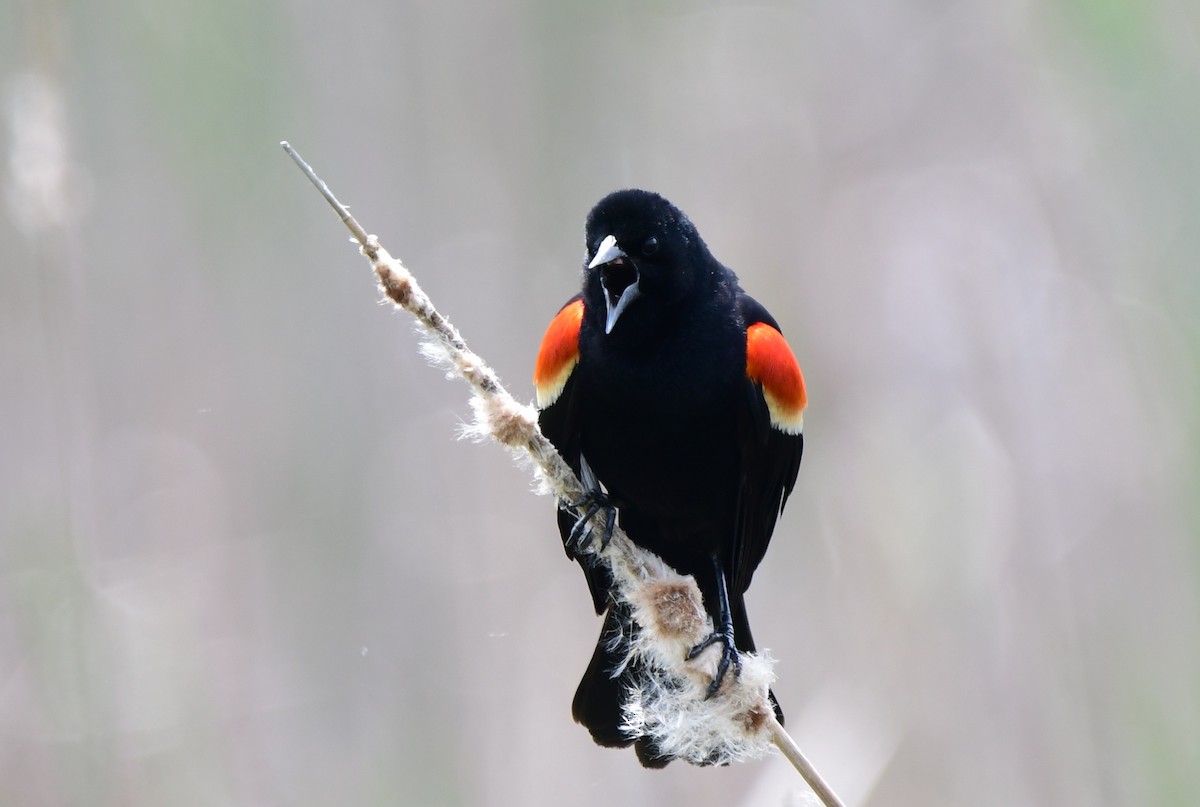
(650, 246)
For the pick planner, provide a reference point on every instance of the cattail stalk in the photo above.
(669, 703)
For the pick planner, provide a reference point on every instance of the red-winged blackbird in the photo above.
(673, 388)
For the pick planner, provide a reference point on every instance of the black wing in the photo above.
(561, 423)
(770, 461)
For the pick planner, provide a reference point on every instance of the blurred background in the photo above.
(244, 560)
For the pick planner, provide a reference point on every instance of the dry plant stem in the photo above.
(787, 746)
(401, 288)
(515, 425)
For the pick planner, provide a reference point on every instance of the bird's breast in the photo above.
(660, 428)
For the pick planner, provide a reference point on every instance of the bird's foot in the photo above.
(581, 534)
(729, 657)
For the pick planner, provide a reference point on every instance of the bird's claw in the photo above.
(581, 534)
(729, 657)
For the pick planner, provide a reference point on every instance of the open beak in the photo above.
(619, 278)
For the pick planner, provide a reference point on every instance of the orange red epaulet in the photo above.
(559, 354)
(771, 363)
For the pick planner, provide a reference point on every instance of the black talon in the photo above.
(609, 523)
(723, 634)
(582, 531)
(729, 656)
(594, 501)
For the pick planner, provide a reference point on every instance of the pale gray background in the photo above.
(243, 560)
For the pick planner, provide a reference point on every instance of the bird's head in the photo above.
(643, 255)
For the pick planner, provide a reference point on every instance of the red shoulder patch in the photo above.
(559, 354)
(771, 363)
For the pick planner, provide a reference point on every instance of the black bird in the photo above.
(673, 388)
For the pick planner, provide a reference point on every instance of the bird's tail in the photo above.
(604, 687)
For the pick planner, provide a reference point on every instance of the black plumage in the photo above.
(662, 406)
